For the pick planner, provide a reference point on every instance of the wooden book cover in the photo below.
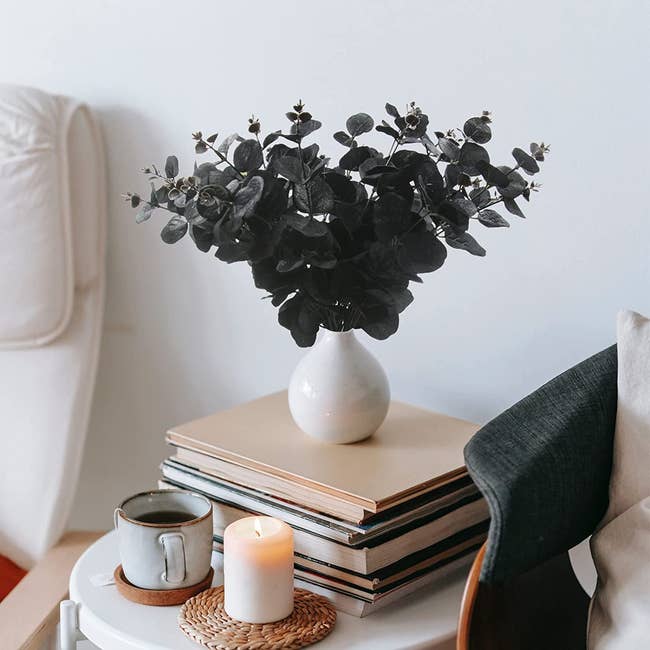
(413, 451)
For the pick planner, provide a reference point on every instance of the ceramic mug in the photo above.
(165, 538)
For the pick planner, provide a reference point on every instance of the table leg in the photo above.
(69, 632)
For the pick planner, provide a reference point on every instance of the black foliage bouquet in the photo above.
(336, 245)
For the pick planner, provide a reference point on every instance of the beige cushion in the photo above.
(49, 238)
(620, 609)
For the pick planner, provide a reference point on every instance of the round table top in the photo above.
(425, 619)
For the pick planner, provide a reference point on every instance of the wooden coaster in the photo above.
(158, 597)
(204, 619)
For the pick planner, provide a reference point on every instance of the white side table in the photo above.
(426, 619)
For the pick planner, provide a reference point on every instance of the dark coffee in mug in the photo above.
(165, 517)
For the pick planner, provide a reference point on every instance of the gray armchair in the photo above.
(544, 468)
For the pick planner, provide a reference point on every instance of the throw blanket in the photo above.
(620, 610)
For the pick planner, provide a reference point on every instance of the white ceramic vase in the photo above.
(339, 392)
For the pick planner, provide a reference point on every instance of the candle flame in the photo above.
(258, 527)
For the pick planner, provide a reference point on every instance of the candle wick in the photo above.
(257, 533)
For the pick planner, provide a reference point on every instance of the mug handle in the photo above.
(174, 555)
(116, 516)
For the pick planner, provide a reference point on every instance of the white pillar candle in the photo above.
(258, 570)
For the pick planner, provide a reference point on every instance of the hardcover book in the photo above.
(258, 445)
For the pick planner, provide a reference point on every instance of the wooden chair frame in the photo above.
(29, 614)
(542, 609)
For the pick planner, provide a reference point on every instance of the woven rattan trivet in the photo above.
(205, 621)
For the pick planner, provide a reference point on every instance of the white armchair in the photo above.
(52, 276)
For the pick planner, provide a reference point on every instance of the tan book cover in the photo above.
(412, 452)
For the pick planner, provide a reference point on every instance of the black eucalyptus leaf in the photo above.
(464, 241)
(201, 234)
(225, 145)
(383, 325)
(471, 157)
(374, 167)
(421, 252)
(388, 130)
(392, 111)
(248, 156)
(452, 175)
(526, 162)
(359, 123)
(232, 252)
(191, 213)
(343, 138)
(480, 196)
(449, 148)
(516, 183)
(478, 130)
(453, 216)
(392, 216)
(429, 144)
(143, 213)
(344, 189)
(291, 168)
(271, 138)
(402, 298)
(492, 219)
(171, 167)
(246, 199)
(300, 318)
(465, 206)
(353, 158)
(314, 197)
(207, 173)
(408, 157)
(303, 129)
(511, 206)
(162, 195)
(308, 226)
(491, 174)
(174, 230)
(309, 153)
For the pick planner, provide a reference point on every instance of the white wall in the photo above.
(186, 334)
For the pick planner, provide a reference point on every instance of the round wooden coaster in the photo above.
(204, 619)
(158, 597)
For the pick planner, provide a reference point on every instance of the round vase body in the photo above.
(339, 392)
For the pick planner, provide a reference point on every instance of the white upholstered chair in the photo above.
(52, 276)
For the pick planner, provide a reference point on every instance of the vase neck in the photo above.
(341, 338)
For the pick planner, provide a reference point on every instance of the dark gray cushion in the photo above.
(544, 465)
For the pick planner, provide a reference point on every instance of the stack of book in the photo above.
(372, 521)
